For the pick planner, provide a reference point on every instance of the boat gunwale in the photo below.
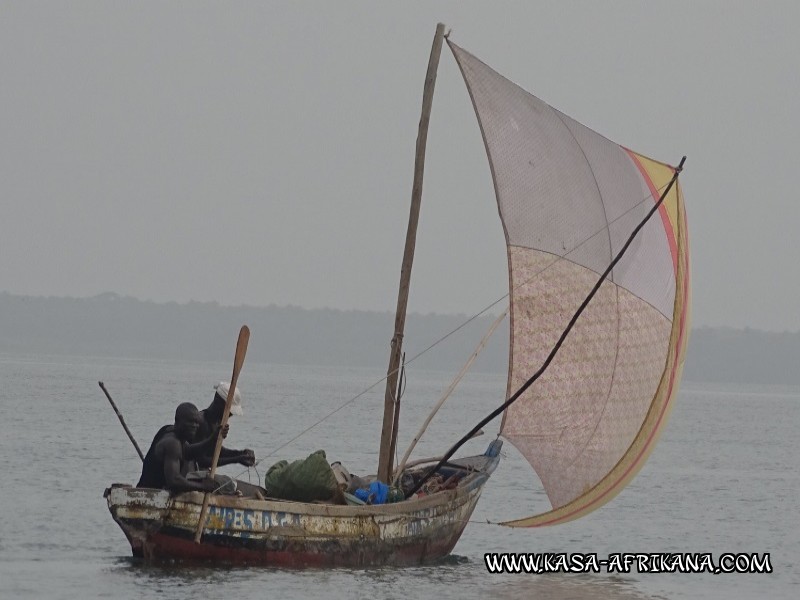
(308, 508)
(474, 480)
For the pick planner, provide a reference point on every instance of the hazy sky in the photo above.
(262, 152)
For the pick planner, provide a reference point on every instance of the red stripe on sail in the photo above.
(662, 210)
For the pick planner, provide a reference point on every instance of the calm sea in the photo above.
(724, 478)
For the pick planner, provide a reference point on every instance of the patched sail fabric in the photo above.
(569, 199)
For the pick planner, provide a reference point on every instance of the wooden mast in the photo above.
(385, 459)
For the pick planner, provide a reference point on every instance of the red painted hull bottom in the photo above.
(165, 547)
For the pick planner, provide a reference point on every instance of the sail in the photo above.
(569, 199)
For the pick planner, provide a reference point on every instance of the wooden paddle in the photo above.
(241, 350)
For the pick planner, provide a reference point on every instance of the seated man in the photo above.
(211, 417)
(171, 455)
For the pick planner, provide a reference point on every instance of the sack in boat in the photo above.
(304, 480)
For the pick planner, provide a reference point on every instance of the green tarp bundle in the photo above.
(303, 480)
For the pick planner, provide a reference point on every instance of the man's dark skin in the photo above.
(172, 456)
(211, 417)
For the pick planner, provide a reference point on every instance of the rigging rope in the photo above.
(464, 324)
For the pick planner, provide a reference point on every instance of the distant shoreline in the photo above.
(110, 325)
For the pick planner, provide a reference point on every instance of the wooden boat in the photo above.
(296, 534)
(599, 316)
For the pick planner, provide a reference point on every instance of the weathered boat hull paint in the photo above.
(272, 532)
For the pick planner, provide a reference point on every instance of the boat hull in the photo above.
(294, 534)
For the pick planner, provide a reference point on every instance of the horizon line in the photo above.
(109, 295)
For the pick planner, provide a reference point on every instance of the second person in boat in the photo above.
(211, 417)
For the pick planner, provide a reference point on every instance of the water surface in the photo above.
(724, 478)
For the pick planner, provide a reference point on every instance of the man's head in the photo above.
(221, 397)
(187, 421)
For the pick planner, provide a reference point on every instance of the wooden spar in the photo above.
(448, 391)
(385, 458)
(396, 417)
(241, 350)
(121, 420)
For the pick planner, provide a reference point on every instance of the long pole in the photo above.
(241, 350)
(561, 339)
(121, 420)
(385, 457)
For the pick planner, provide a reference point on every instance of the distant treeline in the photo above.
(111, 325)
